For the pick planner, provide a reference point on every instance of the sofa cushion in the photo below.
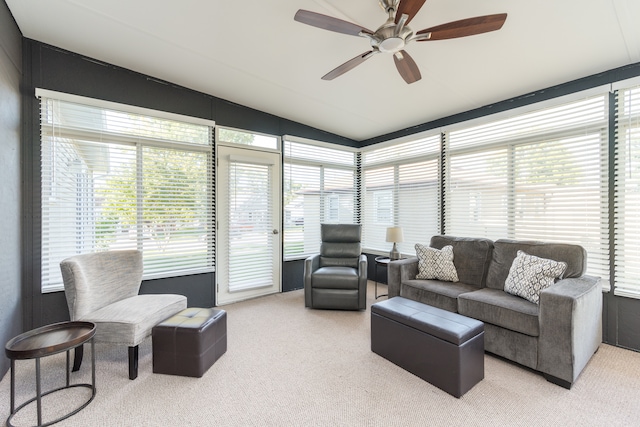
(530, 274)
(437, 293)
(505, 251)
(471, 256)
(501, 309)
(436, 263)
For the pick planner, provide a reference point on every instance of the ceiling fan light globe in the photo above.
(391, 45)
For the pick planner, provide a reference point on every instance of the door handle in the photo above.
(275, 231)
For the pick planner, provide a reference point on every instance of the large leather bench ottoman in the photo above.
(190, 342)
(443, 348)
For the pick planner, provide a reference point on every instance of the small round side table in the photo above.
(382, 261)
(46, 341)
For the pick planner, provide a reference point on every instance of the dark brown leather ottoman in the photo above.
(443, 348)
(190, 342)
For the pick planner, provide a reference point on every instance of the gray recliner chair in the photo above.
(336, 278)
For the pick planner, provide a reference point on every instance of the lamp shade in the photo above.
(394, 234)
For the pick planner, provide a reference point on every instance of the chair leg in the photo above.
(133, 363)
(77, 359)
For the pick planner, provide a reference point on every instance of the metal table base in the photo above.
(37, 354)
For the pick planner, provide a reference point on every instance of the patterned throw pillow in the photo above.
(436, 264)
(529, 275)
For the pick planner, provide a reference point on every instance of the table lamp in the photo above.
(394, 234)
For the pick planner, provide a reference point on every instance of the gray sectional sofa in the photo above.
(557, 337)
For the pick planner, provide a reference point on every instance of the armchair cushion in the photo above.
(340, 245)
(95, 280)
(130, 320)
(335, 277)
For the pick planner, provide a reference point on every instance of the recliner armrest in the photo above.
(311, 264)
(398, 271)
(362, 266)
(363, 276)
(570, 326)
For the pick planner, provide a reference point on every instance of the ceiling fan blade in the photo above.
(464, 27)
(406, 67)
(409, 7)
(329, 23)
(349, 65)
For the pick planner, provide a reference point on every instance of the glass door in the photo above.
(248, 229)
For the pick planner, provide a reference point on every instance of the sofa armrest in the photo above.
(570, 327)
(398, 271)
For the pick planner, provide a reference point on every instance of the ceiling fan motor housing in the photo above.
(387, 40)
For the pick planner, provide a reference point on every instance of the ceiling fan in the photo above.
(395, 34)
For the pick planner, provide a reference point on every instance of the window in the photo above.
(256, 140)
(541, 175)
(332, 204)
(115, 177)
(627, 194)
(320, 186)
(383, 206)
(401, 188)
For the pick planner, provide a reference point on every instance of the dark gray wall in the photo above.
(10, 114)
(292, 275)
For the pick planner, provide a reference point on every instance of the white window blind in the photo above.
(537, 176)
(320, 186)
(250, 225)
(476, 190)
(401, 187)
(113, 179)
(627, 194)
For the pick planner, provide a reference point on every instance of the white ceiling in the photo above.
(253, 53)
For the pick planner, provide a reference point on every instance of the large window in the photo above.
(537, 175)
(320, 186)
(118, 178)
(542, 175)
(627, 194)
(401, 187)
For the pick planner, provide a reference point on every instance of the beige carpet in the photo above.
(290, 366)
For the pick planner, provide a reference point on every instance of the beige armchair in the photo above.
(103, 288)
